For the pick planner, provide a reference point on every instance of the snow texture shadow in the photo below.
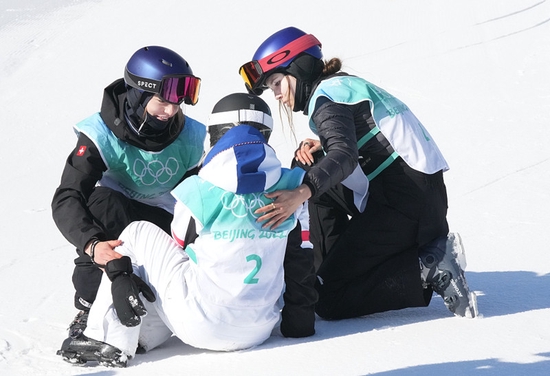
(486, 367)
(500, 292)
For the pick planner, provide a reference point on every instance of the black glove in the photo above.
(125, 289)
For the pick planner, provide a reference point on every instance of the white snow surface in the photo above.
(477, 73)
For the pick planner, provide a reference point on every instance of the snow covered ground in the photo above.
(476, 72)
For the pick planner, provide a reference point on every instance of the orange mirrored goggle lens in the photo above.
(251, 73)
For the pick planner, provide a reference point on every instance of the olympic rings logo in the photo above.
(156, 171)
(239, 207)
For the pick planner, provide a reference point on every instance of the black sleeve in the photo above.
(191, 233)
(83, 169)
(336, 128)
(300, 296)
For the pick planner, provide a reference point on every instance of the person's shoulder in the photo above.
(192, 125)
(193, 121)
(340, 77)
(191, 185)
(95, 120)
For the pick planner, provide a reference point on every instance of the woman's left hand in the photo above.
(285, 203)
(304, 153)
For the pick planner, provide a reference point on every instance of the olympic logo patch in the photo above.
(156, 171)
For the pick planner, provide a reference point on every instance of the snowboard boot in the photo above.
(83, 349)
(77, 327)
(442, 264)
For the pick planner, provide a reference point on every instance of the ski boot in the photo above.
(77, 327)
(442, 264)
(83, 349)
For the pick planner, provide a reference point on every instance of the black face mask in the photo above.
(148, 126)
(306, 69)
(136, 101)
(303, 90)
(153, 127)
(156, 124)
(141, 122)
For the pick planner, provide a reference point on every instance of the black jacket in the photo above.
(339, 127)
(84, 168)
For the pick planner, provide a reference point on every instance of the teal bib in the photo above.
(143, 174)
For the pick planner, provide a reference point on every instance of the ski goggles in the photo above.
(255, 72)
(175, 89)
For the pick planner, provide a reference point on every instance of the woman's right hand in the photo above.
(285, 203)
(305, 151)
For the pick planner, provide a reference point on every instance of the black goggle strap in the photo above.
(145, 84)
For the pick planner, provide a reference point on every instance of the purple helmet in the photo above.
(161, 71)
(277, 54)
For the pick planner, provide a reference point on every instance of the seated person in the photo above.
(216, 282)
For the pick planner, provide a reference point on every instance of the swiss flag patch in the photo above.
(81, 151)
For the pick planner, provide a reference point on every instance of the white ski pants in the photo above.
(165, 267)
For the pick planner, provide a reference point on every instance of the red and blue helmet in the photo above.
(276, 54)
(162, 71)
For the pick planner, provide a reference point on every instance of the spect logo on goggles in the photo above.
(254, 72)
(175, 89)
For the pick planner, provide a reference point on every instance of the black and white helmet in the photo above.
(239, 109)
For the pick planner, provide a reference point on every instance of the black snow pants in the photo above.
(112, 211)
(370, 260)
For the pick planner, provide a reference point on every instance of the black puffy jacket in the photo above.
(339, 127)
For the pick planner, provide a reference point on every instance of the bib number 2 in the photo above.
(251, 278)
